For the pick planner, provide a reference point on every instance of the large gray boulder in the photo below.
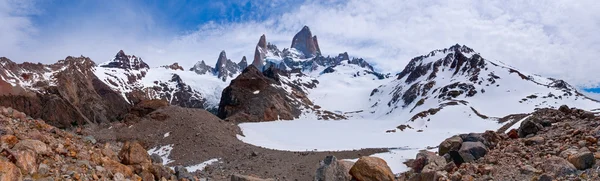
(331, 169)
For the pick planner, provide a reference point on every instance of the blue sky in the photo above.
(176, 16)
(542, 37)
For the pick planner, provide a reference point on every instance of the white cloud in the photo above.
(552, 38)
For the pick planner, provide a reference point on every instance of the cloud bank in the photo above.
(551, 38)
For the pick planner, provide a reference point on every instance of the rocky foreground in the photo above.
(548, 145)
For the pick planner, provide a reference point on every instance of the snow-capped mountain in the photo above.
(224, 69)
(198, 88)
(459, 77)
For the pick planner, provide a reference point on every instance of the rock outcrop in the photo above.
(306, 43)
(253, 97)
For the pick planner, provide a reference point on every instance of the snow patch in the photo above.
(166, 134)
(163, 152)
(201, 166)
(256, 92)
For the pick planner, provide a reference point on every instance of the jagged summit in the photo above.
(243, 63)
(306, 43)
(124, 61)
(260, 52)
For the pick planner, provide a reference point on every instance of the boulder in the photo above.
(427, 166)
(536, 140)
(182, 173)
(9, 172)
(33, 145)
(156, 158)
(565, 109)
(116, 167)
(331, 169)
(529, 126)
(238, 177)
(371, 169)
(147, 176)
(559, 166)
(26, 160)
(452, 143)
(471, 151)
(133, 153)
(513, 134)
(582, 160)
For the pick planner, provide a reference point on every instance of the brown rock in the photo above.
(536, 140)
(558, 166)
(33, 145)
(513, 134)
(371, 169)
(9, 140)
(116, 167)
(26, 160)
(133, 153)
(451, 144)
(582, 160)
(147, 176)
(9, 172)
(159, 171)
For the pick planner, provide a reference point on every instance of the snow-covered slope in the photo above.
(458, 76)
(176, 85)
(446, 92)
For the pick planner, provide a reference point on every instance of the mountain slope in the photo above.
(198, 88)
(446, 92)
(66, 93)
(459, 76)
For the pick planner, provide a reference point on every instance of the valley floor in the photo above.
(197, 136)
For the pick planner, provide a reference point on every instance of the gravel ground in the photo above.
(198, 136)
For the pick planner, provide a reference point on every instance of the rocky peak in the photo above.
(260, 53)
(243, 63)
(202, 68)
(221, 61)
(457, 58)
(225, 67)
(306, 43)
(124, 61)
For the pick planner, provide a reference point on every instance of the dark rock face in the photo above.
(76, 97)
(306, 43)
(225, 67)
(251, 97)
(243, 63)
(124, 61)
